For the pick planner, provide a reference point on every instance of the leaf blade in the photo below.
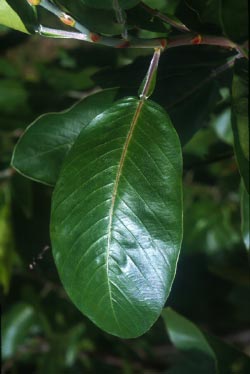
(18, 15)
(56, 132)
(124, 252)
(9, 18)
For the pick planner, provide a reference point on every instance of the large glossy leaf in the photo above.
(18, 15)
(116, 222)
(202, 352)
(240, 119)
(41, 150)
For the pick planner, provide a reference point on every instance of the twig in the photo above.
(7, 173)
(130, 42)
(102, 40)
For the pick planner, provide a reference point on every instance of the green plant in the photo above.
(115, 160)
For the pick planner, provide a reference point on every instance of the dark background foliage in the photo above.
(43, 332)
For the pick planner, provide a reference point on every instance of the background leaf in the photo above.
(17, 324)
(240, 119)
(7, 245)
(185, 86)
(202, 353)
(189, 339)
(116, 217)
(95, 19)
(107, 4)
(41, 161)
(234, 17)
(245, 225)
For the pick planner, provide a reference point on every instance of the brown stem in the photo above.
(197, 39)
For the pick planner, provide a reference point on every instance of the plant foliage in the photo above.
(136, 126)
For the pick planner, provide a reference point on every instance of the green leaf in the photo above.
(201, 15)
(9, 18)
(18, 15)
(203, 353)
(96, 20)
(7, 255)
(138, 17)
(116, 223)
(22, 193)
(188, 72)
(189, 339)
(41, 160)
(107, 4)
(12, 91)
(240, 120)
(17, 324)
(245, 227)
(234, 17)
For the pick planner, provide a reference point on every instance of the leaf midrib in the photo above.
(114, 195)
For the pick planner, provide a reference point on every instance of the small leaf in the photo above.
(116, 223)
(40, 152)
(202, 352)
(245, 227)
(240, 120)
(17, 324)
(189, 339)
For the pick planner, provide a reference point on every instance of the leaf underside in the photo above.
(116, 223)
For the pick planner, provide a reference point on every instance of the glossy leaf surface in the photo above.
(40, 152)
(240, 119)
(116, 224)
